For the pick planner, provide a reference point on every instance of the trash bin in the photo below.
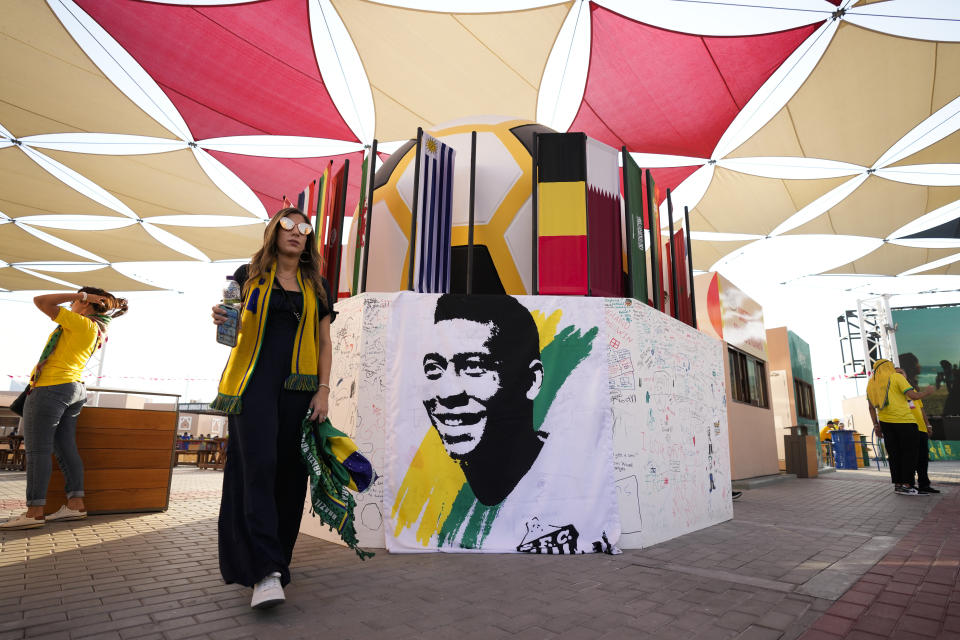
(800, 452)
(863, 454)
(844, 449)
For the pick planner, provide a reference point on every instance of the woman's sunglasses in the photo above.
(303, 227)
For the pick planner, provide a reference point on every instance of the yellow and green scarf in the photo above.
(336, 468)
(304, 365)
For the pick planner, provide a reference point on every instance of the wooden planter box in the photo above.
(127, 457)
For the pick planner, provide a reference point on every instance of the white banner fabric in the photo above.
(499, 434)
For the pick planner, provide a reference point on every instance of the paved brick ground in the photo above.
(793, 549)
(912, 593)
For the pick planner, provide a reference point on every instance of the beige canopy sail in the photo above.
(891, 260)
(425, 68)
(105, 277)
(222, 243)
(23, 246)
(105, 116)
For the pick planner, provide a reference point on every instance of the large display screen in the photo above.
(932, 334)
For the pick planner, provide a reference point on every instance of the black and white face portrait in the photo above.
(479, 380)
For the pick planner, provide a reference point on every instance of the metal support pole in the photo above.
(674, 308)
(628, 223)
(586, 201)
(473, 197)
(535, 210)
(693, 296)
(413, 211)
(366, 232)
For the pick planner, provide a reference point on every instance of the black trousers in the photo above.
(264, 485)
(901, 440)
(923, 459)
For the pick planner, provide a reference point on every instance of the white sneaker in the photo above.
(22, 522)
(66, 513)
(267, 593)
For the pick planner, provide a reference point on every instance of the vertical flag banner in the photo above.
(333, 247)
(355, 248)
(306, 198)
(561, 214)
(603, 220)
(434, 217)
(666, 286)
(652, 196)
(323, 205)
(666, 269)
(633, 211)
(684, 312)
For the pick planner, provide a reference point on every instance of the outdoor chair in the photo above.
(879, 456)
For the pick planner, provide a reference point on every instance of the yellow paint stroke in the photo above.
(546, 326)
(428, 490)
(433, 479)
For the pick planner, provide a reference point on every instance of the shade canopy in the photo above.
(841, 118)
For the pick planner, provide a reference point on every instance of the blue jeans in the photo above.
(50, 426)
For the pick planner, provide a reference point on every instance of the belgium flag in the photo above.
(578, 187)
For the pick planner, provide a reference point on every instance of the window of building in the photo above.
(803, 394)
(748, 378)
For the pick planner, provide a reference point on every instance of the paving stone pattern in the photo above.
(774, 572)
(912, 593)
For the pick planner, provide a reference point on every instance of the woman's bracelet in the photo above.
(83, 296)
(323, 385)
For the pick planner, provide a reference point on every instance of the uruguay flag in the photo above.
(434, 217)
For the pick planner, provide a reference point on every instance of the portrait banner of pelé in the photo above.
(500, 436)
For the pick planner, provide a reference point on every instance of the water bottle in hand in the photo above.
(227, 332)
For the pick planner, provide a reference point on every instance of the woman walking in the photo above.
(279, 368)
(56, 396)
(888, 393)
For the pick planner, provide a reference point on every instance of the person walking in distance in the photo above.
(279, 368)
(888, 393)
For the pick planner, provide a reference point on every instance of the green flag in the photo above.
(359, 223)
(633, 210)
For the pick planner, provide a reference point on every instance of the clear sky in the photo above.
(166, 342)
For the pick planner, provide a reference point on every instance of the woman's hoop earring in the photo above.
(302, 255)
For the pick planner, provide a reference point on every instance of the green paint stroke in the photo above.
(567, 350)
(478, 526)
(458, 513)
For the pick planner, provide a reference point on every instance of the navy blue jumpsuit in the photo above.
(265, 480)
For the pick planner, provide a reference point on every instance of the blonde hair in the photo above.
(266, 257)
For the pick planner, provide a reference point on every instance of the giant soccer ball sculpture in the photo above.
(502, 224)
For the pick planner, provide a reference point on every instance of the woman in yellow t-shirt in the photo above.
(56, 396)
(888, 393)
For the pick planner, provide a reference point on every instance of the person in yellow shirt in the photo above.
(825, 432)
(888, 393)
(56, 396)
(910, 369)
